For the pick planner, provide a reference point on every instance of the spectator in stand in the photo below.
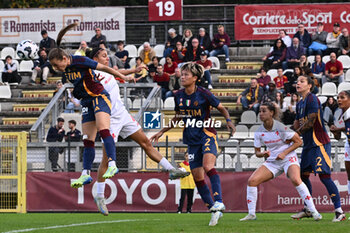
(334, 71)
(72, 102)
(293, 55)
(98, 38)
(333, 40)
(170, 66)
(114, 61)
(42, 68)
(289, 109)
(286, 39)
(179, 53)
(142, 75)
(162, 79)
(74, 135)
(303, 35)
(55, 134)
(10, 74)
(319, 42)
(304, 63)
(122, 54)
(147, 53)
(207, 64)
(47, 42)
(154, 64)
(329, 108)
(318, 69)
(251, 97)
(187, 38)
(279, 100)
(171, 42)
(263, 78)
(274, 59)
(193, 53)
(221, 43)
(292, 80)
(174, 83)
(270, 93)
(280, 81)
(82, 49)
(344, 43)
(204, 40)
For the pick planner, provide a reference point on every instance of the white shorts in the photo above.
(347, 152)
(124, 126)
(277, 167)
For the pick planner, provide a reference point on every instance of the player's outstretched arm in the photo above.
(296, 143)
(230, 126)
(114, 72)
(156, 137)
(308, 124)
(337, 131)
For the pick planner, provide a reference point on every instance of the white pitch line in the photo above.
(73, 225)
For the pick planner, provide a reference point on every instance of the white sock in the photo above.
(339, 210)
(165, 164)
(85, 172)
(252, 196)
(306, 197)
(101, 189)
(111, 163)
(349, 187)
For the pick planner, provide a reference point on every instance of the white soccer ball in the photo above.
(27, 49)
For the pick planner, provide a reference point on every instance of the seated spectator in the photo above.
(329, 108)
(221, 43)
(292, 80)
(154, 64)
(333, 40)
(162, 79)
(289, 109)
(10, 74)
(47, 42)
(273, 60)
(270, 93)
(72, 102)
(82, 49)
(170, 66)
(179, 53)
(263, 78)
(42, 68)
(97, 39)
(55, 134)
(187, 38)
(147, 53)
(304, 63)
(207, 64)
(279, 100)
(204, 40)
(334, 71)
(318, 69)
(142, 75)
(319, 43)
(174, 83)
(193, 53)
(122, 54)
(251, 97)
(303, 35)
(73, 135)
(293, 55)
(286, 39)
(344, 44)
(280, 81)
(171, 41)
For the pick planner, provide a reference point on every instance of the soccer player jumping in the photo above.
(192, 104)
(315, 156)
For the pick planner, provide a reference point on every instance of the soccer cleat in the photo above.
(317, 216)
(100, 202)
(111, 171)
(339, 217)
(218, 206)
(177, 173)
(248, 217)
(215, 216)
(82, 180)
(303, 214)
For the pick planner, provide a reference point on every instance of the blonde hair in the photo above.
(196, 69)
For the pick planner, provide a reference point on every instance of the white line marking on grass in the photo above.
(74, 225)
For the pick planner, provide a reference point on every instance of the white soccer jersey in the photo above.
(274, 140)
(341, 123)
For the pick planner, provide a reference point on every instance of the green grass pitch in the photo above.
(164, 222)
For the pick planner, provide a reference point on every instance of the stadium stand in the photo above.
(159, 49)
(216, 63)
(343, 86)
(7, 51)
(26, 66)
(345, 60)
(132, 50)
(326, 59)
(329, 89)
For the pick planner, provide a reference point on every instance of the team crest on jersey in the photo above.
(207, 149)
(319, 169)
(195, 103)
(188, 103)
(277, 133)
(180, 104)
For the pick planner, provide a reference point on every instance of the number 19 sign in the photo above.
(164, 10)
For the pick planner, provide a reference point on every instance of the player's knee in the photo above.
(207, 167)
(253, 181)
(296, 181)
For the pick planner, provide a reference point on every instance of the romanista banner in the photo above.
(263, 22)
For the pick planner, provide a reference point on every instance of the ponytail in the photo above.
(58, 53)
